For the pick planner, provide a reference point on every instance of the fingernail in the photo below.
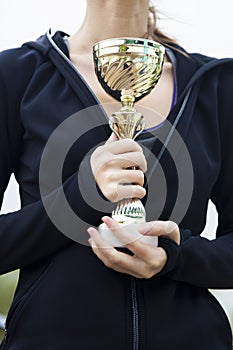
(91, 231)
(107, 220)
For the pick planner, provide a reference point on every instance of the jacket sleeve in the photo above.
(203, 262)
(30, 235)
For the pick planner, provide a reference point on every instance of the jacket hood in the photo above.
(192, 65)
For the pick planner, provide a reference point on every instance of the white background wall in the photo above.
(201, 25)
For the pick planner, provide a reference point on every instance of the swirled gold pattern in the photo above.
(128, 66)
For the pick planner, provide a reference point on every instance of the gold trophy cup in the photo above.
(127, 69)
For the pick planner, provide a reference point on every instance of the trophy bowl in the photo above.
(128, 66)
(128, 69)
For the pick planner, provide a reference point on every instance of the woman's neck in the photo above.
(111, 18)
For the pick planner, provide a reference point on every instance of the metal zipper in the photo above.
(135, 313)
(4, 343)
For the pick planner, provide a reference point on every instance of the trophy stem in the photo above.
(127, 101)
(128, 123)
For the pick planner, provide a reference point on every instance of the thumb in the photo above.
(112, 138)
(167, 229)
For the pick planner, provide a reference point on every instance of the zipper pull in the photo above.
(5, 337)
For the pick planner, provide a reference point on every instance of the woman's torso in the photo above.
(71, 300)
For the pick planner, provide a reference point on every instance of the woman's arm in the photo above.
(197, 260)
(29, 235)
(204, 262)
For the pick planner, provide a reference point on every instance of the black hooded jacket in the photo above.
(66, 298)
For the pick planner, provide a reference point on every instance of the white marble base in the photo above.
(133, 235)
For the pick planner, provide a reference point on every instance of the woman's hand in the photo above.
(110, 165)
(147, 260)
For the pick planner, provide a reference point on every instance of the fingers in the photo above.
(123, 146)
(123, 184)
(112, 138)
(130, 238)
(126, 234)
(117, 193)
(168, 229)
(145, 263)
(110, 165)
(111, 257)
(121, 161)
(105, 158)
(133, 159)
(129, 191)
(128, 176)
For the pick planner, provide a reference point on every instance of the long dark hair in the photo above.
(154, 32)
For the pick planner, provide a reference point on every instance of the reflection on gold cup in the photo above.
(128, 69)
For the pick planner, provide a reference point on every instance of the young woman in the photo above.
(73, 292)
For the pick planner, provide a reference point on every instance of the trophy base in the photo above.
(132, 229)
